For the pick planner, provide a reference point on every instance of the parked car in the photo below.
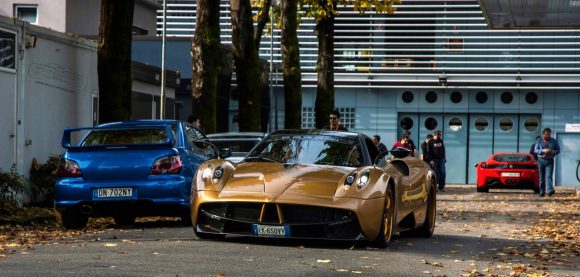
(240, 143)
(508, 170)
(129, 169)
(315, 184)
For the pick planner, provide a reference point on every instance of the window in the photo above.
(348, 117)
(531, 97)
(481, 97)
(406, 123)
(481, 124)
(308, 120)
(531, 124)
(408, 97)
(7, 50)
(456, 97)
(506, 124)
(431, 123)
(455, 124)
(431, 97)
(507, 97)
(27, 13)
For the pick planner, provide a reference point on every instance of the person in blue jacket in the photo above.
(546, 148)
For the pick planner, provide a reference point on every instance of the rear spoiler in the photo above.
(66, 136)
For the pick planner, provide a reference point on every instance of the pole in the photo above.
(162, 97)
(271, 68)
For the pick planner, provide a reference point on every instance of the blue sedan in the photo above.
(129, 169)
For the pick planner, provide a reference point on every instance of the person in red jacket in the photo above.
(404, 143)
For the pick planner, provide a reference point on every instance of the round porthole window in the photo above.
(407, 97)
(481, 124)
(431, 123)
(481, 97)
(531, 97)
(531, 124)
(507, 97)
(455, 124)
(506, 124)
(456, 97)
(406, 123)
(431, 97)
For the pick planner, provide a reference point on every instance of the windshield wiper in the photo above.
(263, 158)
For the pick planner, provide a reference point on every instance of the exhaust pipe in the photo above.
(86, 209)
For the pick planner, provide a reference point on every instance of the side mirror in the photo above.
(225, 153)
(400, 152)
(380, 157)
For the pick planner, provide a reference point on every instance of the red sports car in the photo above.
(508, 170)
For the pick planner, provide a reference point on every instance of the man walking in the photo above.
(437, 158)
(379, 144)
(546, 148)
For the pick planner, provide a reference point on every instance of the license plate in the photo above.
(114, 192)
(271, 231)
(510, 174)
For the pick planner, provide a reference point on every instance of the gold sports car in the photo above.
(315, 184)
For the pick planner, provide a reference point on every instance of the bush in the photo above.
(12, 186)
(42, 180)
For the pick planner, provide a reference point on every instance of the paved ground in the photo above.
(501, 233)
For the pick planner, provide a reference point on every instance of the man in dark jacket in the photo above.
(379, 144)
(437, 156)
(425, 156)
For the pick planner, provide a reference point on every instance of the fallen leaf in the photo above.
(110, 245)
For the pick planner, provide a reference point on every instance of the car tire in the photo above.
(74, 220)
(186, 219)
(385, 234)
(482, 189)
(124, 220)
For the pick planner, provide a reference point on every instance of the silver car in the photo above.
(240, 143)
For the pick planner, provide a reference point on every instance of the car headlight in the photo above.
(349, 180)
(363, 180)
(206, 173)
(218, 173)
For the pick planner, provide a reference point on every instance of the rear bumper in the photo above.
(158, 195)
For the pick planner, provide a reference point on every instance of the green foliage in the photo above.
(42, 181)
(11, 187)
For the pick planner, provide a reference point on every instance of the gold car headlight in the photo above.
(363, 180)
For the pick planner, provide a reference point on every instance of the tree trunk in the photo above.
(325, 69)
(291, 62)
(206, 55)
(247, 67)
(114, 60)
(226, 65)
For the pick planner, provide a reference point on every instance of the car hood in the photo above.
(284, 179)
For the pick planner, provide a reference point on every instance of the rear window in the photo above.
(126, 137)
(512, 158)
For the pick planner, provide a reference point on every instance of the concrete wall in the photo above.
(52, 88)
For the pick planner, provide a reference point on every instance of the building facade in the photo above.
(436, 65)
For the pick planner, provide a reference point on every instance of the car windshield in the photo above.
(512, 158)
(147, 135)
(309, 149)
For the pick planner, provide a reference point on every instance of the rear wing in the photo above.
(69, 133)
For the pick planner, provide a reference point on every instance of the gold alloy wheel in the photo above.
(388, 217)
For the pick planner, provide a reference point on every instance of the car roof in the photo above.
(140, 122)
(315, 132)
(236, 135)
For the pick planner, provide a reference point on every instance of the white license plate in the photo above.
(114, 192)
(271, 231)
(510, 174)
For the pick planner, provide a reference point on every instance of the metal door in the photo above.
(505, 133)
(407, 121)
(480, 142)
(455, 138)
(7, 124)
(567, 161)
(529, 130)
(429, 123)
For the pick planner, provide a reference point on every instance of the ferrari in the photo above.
(508, 170)
(315, 184)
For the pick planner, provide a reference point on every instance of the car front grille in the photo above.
(304, 221)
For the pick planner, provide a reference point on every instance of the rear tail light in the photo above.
(68, 168)
(167, 165)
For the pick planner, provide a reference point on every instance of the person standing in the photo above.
(410, 141)
(194, 120)
(334, 119)
(379, 144)
(546, 148)
(425, 149)
(437, 158)
(403, 143)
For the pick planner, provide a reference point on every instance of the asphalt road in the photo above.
(468, 241)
